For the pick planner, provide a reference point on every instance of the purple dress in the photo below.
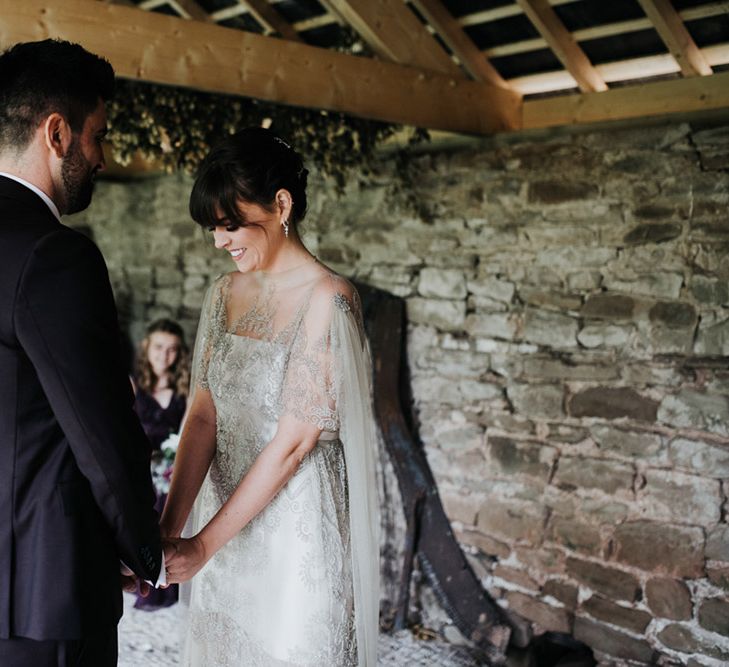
(158, 424)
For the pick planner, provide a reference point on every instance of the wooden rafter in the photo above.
(193, 54)
(393, 32)
(673, 32)
(650, 99)
(459, 42)
(565, 47)
(190, 9)
(271, 18)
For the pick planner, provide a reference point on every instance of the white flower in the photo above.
(171, 444)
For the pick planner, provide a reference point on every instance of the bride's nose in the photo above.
(221, 239)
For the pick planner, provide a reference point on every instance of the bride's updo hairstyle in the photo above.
(250, 165)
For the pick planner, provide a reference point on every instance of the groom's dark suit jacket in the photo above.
(75, 489)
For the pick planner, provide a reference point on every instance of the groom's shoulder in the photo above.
(64, 246)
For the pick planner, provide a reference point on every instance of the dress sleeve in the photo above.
(210, 328)
(328, 383)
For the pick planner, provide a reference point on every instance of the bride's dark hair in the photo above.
(250, 165)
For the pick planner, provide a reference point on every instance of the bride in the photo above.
(276, 460)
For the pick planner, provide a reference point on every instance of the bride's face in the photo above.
(253, 245)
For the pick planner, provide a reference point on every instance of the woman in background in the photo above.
(161, 387)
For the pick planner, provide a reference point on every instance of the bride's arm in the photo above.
(275, 466)
(194, 454)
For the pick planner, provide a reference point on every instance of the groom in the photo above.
(75, 489)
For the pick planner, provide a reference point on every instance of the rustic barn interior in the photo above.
(561, 247)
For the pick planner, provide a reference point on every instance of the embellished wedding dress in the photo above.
(298, 586)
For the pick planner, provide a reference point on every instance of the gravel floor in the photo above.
(151, 639)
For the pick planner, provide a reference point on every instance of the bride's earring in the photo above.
(285, 221)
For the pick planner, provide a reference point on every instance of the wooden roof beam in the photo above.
(174, 51)
(570, 54)
(269, 17)
(676, 37)
(393, 32)
(659, 98)
(459, 42)
(189, 9)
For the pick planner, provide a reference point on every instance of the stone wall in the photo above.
(568, 304)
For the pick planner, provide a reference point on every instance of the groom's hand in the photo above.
(129, 581)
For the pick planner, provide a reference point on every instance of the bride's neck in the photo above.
(290, 256)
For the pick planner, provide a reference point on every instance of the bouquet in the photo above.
(163, 462)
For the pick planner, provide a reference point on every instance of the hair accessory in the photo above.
(281, 141)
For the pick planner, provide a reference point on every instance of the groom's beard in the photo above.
(78, 179)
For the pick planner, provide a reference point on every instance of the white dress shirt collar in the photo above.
(48, 201)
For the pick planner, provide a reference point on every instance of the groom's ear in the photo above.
(57, 135)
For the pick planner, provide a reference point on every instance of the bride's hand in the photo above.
(186, 560)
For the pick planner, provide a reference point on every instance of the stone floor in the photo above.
(151, 639)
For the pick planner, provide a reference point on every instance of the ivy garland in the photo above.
(176, 128)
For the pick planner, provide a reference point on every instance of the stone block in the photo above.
(608, 581)
(669, 598)
(653, 233)
(674, 315)
(488, 545)
(635, 620)
(693, 409)
(550, 299)
(713, 340)
(685, 640)
(714, 615)
(559, 192)
(609, 307)
(509, 457)
(459, 438)
(617, 644)
(584, 280)
(541, 561)
(710, 291)
(589, 473)
(604, 335)
(659, 285)
(718, 575)
(461, 508)
(440, 313)
(480, 391)
(641, 444)
(612, 403)
(494, 288)
(435, 388)
(569, 257)
(537, 400)
(547, 617)
(669, 494)
(494, 325)
(566, 593)
(170, 297)
(575, 535)
(674, 550)
(604, 511)
(700, 457)
(514, 520)
(547, 368)
(717, 543)
(518, 577)
(442, 283)
(551, 329)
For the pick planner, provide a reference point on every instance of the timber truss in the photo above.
(470, 66)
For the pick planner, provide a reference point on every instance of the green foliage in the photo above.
(177, 127)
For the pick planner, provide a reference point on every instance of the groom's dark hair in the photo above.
(40, 78)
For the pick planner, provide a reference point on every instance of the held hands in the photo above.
(129, 581)
(184, 558)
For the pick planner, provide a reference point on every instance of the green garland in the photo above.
(176, 128)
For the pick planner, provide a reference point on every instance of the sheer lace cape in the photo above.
(316, 316)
